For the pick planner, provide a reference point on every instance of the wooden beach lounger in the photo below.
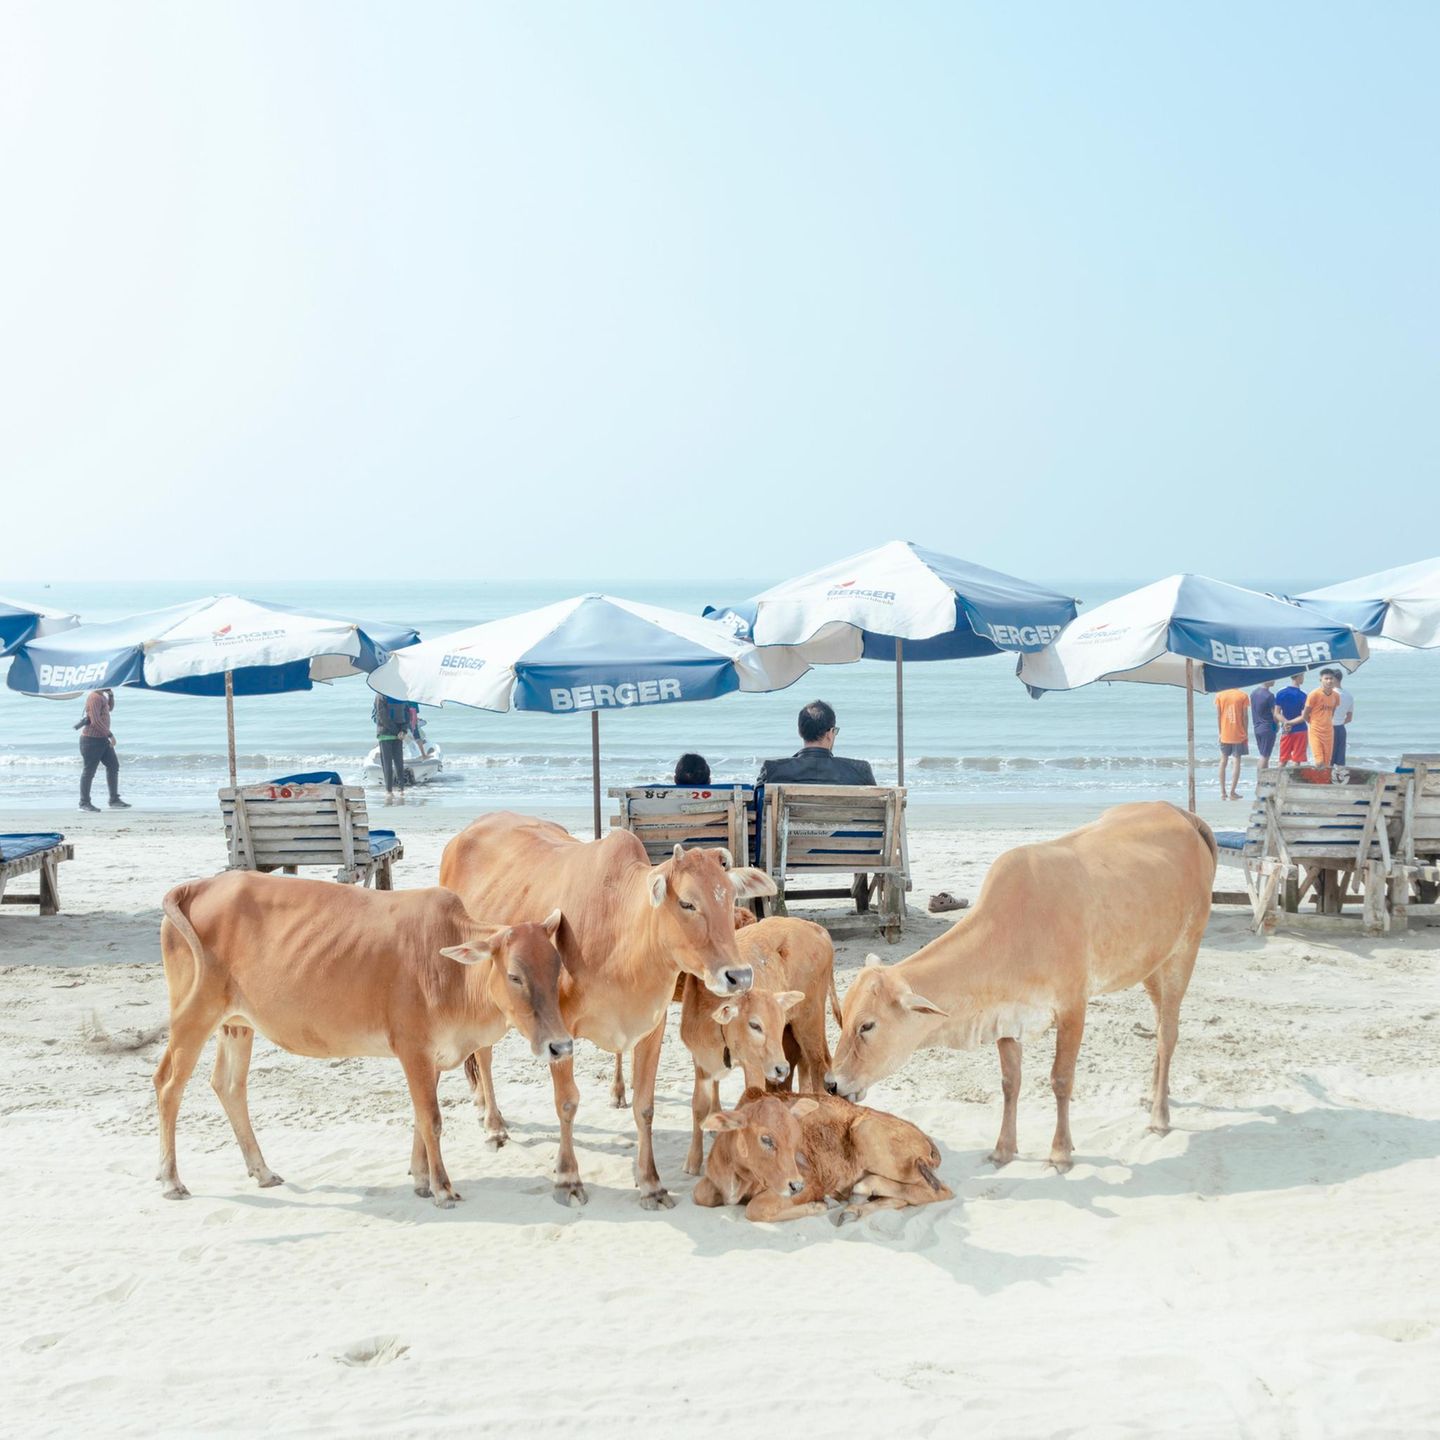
(696, 816)
(1317, 829)
(1417, 859)
(29, 854)
(307, 820)
(809, 830)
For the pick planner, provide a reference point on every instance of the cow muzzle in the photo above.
(779, 1073)
(733, 980)
(557, 1050)
(839, 1085)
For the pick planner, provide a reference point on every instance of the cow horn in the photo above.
(725, 857)
(679, 850)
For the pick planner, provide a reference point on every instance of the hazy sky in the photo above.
(605, 288)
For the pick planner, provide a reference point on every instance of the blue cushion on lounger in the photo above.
(382, 842)
(310, 777)
(1230, 839)
(17, 847)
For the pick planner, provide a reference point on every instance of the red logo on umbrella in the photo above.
(844, 584)
(224, 630)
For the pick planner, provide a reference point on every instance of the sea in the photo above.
(972, 732)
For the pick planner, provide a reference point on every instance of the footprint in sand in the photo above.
(219, 1217)
(121, 1292)
(377, 1350)
(33, 1343)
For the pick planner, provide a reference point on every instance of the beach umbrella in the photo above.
(589, 653)
(900, 602)
(217, 645)
(1401, 604)
(1191, 631)
(20, 621)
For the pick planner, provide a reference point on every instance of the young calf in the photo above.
(782, 1155)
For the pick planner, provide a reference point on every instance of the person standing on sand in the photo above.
(1290, 705)
(1319, 715)
(97, 748)
(1265, 719)
(1233, 712)
(1344, 714)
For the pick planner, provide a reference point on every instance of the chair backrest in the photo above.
(697, 816)
(1420, 774)
(859, 829)
(294, 823)
(1315, 814)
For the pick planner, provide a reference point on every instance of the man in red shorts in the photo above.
(1290, 703)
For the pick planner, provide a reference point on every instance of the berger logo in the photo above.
(225, 636)
(605, 697)
(1024, 637)
(223, 630)
(844, 584)
(71, 677)
(1101, 632)
(845, 591)
(1269, 657)
(455, 661)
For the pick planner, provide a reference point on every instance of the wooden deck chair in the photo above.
(307, 820)
(703, 816)
(34, 854)
(1320, 829)
(811, 830)
(1416, 887)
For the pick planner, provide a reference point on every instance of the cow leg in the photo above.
(421, 1077)
(1166, 993)
(419, 1163)
(229, 1080)
(772, 1207)
(568, 1189)
(807, 1026)
(617, 1085)
(1069, 1030)
(879, 1192)
(495, 1132)
(653, 1195)
(191, 1025)
(1005, 1146)
(704, 1099)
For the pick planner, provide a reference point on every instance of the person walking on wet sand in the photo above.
(1233, 711)
(97, 748)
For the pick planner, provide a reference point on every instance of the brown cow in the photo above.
(629, 930)
(785, 1170)
(336, 970)
(1120, 902)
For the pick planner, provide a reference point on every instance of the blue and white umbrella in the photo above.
(218, 645)
(1402, 604)
(901, 602)
(20, 621)
(1195, 632)
(589, 653)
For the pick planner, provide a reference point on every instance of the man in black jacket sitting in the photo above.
(817, 763)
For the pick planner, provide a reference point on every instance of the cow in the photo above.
(782, 1155)
(332, 970)
(1120, 902)
(629, 930)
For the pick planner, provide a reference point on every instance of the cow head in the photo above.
(762, 1140)
(693, 894)
(754, 1029)
(884, 1023)
(523, 980)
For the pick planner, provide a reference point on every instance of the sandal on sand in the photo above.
(946, 901)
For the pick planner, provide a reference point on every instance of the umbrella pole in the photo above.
(595, 766)
(1190, 727)
(900, 711)
(230, 722)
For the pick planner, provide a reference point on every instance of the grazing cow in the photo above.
(337, 970)
(783, 1154)
(1120, 902)
(629, 930)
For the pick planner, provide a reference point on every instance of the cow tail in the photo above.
(472, 1075)
(1206, 834)
(173, 906)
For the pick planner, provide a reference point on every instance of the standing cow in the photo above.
(629, 930)
(336, 970)
(1121, 902)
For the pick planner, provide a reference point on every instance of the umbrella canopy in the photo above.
(1401, 604)
(218, 645)
(941, 608)
(20, 621)
(1195, 632)
(589, 653)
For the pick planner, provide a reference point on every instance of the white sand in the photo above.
(1269, 1268)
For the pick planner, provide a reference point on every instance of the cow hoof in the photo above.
(570, 1193)
(618, 1100)
(445, 1199)
(267, 1181)
(1062, 1164)
(496, 1139)
(660, 1200)
(845, 1215)
(1159, 1129)
(176, 1191)
(692, 1169)
(1000, 1158)
(423, 1190)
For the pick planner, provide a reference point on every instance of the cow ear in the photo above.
(552, 922)
(724, 1014)
(789, 999)
(723, 1120)
(657, 888)
(919, 1003)
(873, 962)
(751, 883)
(802, 1108)
(482, 947)
(679, 851)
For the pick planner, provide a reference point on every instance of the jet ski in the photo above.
(423, 762)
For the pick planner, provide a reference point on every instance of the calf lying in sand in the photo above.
(782, 1155)
(1121, 902)
(334, 970)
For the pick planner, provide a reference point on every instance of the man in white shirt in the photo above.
(1343, 715)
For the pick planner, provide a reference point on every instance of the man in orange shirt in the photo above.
(1233, 708)
(1320, 708)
